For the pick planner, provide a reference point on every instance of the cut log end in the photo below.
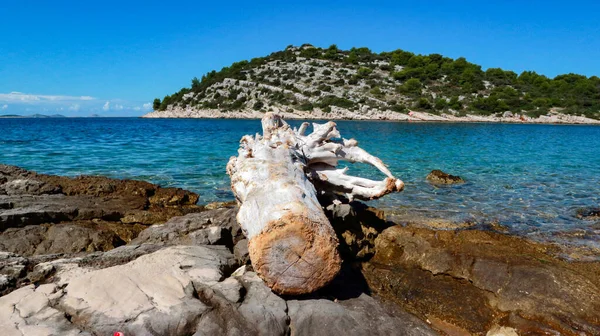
(295, 255)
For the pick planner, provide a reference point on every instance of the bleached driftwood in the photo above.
(291, 242)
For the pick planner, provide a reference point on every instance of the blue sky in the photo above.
(113, 57)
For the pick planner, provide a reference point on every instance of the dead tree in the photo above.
(291, 242)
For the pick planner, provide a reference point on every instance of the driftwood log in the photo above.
(292, 245)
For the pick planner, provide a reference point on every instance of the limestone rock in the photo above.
(211, 227)
(355, 316)
(240, 251)
(59, 238)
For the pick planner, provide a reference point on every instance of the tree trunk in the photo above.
(292, 245)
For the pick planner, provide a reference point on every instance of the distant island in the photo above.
(32, 116)
(315, 83)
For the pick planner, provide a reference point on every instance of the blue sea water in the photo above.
(530, 178)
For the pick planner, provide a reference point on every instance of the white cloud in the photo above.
(19, 97)
(106, 106)
(4, 107)
(137, 108)
(74, 107)
(147, 106)
(118, 107)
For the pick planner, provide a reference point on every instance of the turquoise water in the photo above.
(529, 177)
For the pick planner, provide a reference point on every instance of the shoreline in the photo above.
(64, 241)
(554, 118)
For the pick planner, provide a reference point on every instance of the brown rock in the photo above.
(439, 177)
(475, 280)
(588, 213)
(95, 213)
(356, 225)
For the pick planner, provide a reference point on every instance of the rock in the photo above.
(356, 316)
(61, 238)
(240, 251)
(262, 308)
(507, 114)
(356, 226)
(494, 276)
(230, 288)
(29, 311)
(439, 177)
(588, 213)
(209, 227)
(218, 205)
(12, 268)
(28, 198)
(154, 294)
(178, 290)
(44, 214)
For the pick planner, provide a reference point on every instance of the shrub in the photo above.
(306, 106)
(411, 86)
(423, 103)
(364, 72)
(258, 105)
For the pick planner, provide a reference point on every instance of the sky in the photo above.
(112, 58)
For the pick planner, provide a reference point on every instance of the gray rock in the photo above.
(356, 316)
(262, 308)
(29, 311)
(12, 268)
(217, 226)
(240, 251)
(58, 238)
(178, 290)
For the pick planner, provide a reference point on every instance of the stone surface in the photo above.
(357, 226)
(94, 273)
(240, 251)
(182, 290)
(44, 214)
(439, 177)
(62, 238)
(500, 280)
(356, 316)
(588, 213)
(208, 227)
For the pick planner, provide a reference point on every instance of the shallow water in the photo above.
(530, 178)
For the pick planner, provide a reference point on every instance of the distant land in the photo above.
(32, 116)
(315, 83)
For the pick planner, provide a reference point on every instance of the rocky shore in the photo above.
(93, 256)
(338, 113)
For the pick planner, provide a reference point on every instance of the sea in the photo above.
(531, 179)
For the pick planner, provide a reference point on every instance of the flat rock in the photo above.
(179, 290)
(61, 238)
(28, 198)
(356, 316)
(501, 281)
(210, 227)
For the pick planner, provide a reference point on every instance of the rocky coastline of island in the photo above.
(336, 113)
(92, 256)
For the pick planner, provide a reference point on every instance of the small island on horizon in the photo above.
(39, 116)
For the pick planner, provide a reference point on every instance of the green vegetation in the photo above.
(394, 80)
